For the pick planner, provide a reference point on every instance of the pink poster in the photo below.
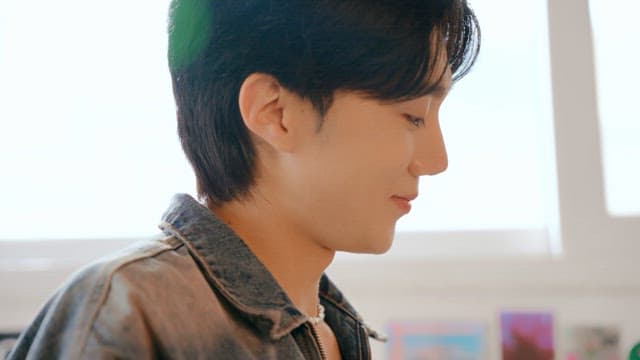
(527, 335)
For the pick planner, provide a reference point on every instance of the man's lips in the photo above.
(404, 201)
(408, 197)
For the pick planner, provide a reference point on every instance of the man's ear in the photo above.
(262, 102)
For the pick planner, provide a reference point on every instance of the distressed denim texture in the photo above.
(195, 292)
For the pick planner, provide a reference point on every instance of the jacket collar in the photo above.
(235, 271)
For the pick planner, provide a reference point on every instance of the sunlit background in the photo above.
(617, 50)
(89, 149)
(88, 145)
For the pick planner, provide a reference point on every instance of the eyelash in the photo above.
(415, 121)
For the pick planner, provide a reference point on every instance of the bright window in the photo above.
(88, 141)
(498, 129)
(89, 149)
(617, 51)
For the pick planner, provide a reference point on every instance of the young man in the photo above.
(308, 124)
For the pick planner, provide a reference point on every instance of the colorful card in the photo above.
(592, 343)
(429, 340)
(527, 335)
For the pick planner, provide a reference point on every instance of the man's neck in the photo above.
(292, 257)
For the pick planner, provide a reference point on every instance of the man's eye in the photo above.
(415, 121)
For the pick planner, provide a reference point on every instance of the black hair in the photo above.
(386, 49)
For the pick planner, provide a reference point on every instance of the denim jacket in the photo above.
(196, 292)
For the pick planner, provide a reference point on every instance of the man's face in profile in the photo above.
(356, 176)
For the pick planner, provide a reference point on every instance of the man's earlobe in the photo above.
(262, 110)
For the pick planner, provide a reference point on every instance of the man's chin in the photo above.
(373, 248)
(381, 250)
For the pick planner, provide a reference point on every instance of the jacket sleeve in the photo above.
(89, 317)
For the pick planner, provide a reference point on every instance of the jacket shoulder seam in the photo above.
(106, 288)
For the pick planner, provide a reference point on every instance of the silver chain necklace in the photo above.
(315, 320)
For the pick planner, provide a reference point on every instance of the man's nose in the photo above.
(430, 157)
